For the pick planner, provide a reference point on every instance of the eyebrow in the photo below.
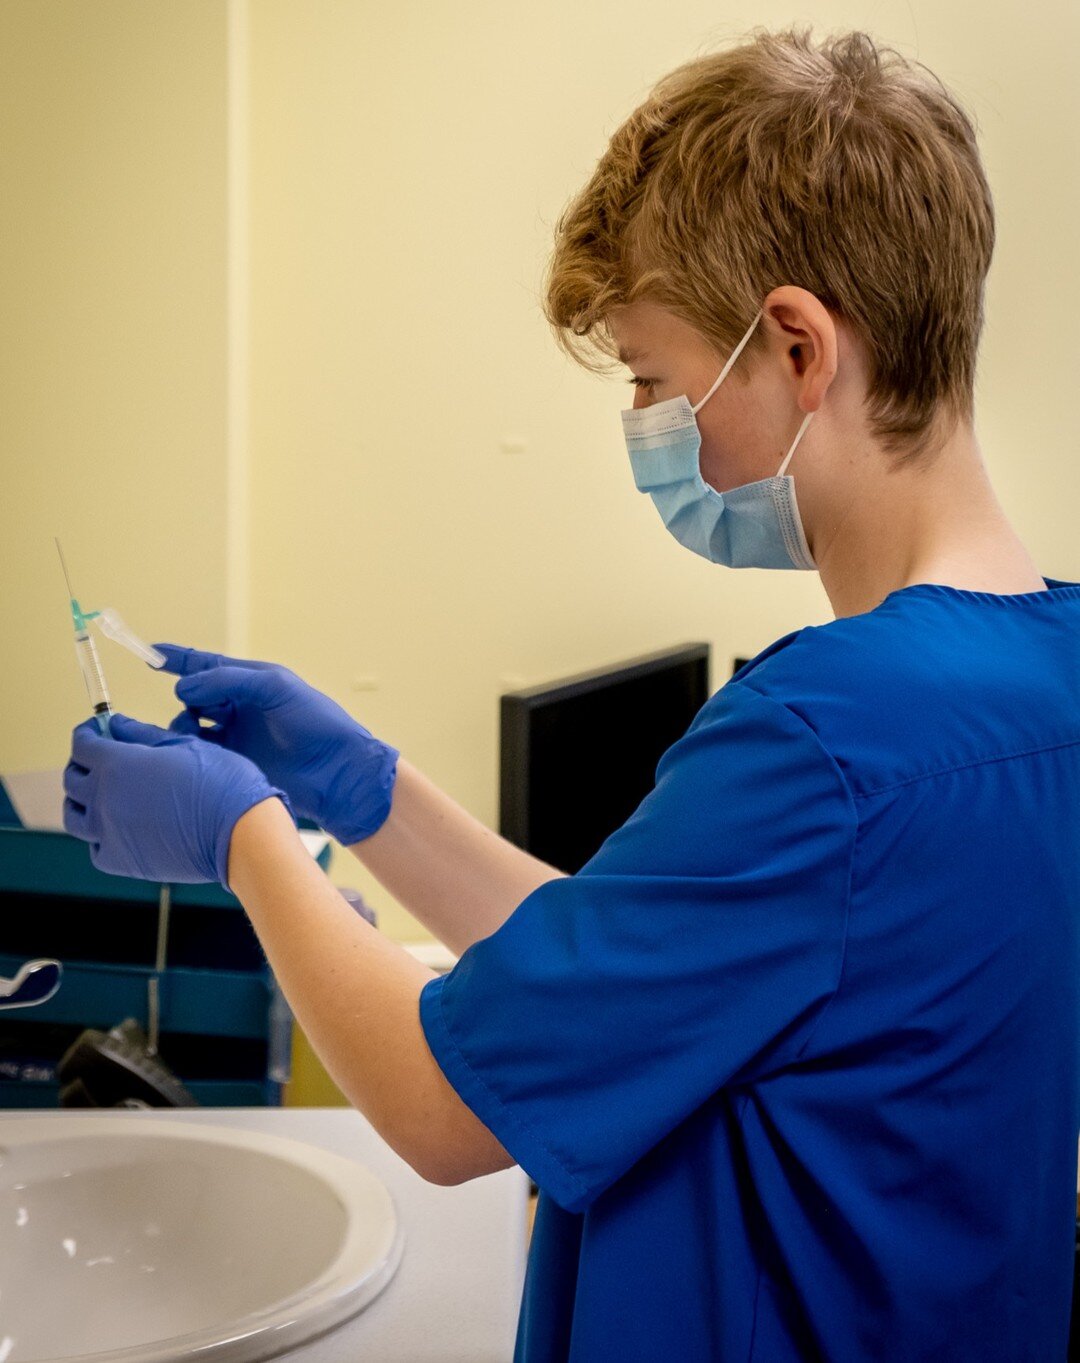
(629, 356)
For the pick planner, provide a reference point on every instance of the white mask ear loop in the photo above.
(787, 458)
(727, 367)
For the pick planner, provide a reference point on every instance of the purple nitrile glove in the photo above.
(332, 769)
(157, 805)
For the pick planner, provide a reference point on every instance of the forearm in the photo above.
(460, 879)
(354, 992)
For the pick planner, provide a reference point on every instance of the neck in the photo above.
(939, 523)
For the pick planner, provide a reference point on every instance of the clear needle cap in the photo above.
(112, 625)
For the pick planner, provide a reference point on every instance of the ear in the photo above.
(803, 331)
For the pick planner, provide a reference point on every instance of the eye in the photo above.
(639, 382)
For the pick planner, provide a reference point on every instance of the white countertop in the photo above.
(455, 1296)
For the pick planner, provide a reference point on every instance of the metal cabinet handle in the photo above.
(35, 982)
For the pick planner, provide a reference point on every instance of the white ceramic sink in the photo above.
(151, 1241)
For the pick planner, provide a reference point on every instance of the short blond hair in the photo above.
(841, 167)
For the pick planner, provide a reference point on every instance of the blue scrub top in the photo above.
(794, 1058)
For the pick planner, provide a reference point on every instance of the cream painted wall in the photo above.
(442, 506)
(112, 348)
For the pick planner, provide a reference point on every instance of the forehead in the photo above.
(644, 328)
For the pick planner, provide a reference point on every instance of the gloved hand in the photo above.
(157, 805)
(331, 767)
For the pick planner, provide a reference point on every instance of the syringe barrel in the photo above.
(90, 666)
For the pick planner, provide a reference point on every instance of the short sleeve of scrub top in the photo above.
(697, 949)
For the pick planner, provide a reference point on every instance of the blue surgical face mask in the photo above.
(756, 525)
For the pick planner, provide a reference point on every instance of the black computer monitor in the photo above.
(578, 756)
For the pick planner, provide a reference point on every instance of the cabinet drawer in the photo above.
(206, 1092)
(211, 1003)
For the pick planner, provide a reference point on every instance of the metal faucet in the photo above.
(35, 982)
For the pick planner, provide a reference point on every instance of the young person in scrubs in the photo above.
(793, 1059)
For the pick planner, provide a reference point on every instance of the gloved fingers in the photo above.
(86, 741)
(77, 784)
(124, 729)
(222, 713)
(187, 722)
(76, 820)
(221, 687)
(186, 662)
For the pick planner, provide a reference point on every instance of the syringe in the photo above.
(86, 652)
